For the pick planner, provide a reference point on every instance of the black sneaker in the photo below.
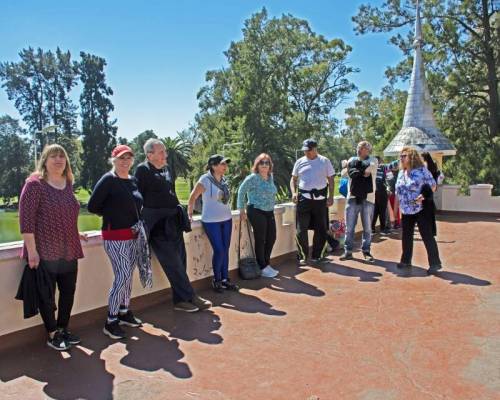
(201, 303)
(185, 306)
(385, 232)
(433, 269)
(228, 285)
(69, 337)
(368, 257)
(58, 342)
(402, 265)
(113, 330)
(346, 256)
(129, 319)
(217, 286)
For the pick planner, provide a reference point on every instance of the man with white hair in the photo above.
(362, 171)
(165, 221)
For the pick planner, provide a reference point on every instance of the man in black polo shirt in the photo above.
(162, 214)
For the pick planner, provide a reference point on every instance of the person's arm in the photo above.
(197, 192)
(28, 207)
(99, 194)
(293, 188)
(242, 194)
(330, 174)
(372, 169)
(331, 190)
(141, 178)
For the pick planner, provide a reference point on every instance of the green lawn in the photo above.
(182, 189)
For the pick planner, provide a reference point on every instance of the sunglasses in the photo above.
(264, 162)
(403, 156)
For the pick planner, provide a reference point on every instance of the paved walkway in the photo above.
(340, 331)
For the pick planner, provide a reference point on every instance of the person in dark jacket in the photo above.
(166, 221)
(48, 215)
(117, 199)
(360, 200)
(381, 198)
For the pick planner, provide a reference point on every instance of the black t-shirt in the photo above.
(156, 186)
(114, 198)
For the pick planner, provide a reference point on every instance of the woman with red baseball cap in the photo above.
(117, 199)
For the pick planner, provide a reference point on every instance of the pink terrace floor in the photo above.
(344, 330)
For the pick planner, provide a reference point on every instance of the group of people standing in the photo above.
(141, 211)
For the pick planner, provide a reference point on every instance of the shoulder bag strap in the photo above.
(250, 238)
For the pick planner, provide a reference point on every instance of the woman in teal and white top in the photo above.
(259, 191)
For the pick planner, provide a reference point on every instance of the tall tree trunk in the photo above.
(494, 103)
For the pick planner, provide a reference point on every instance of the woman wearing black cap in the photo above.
(216, 217)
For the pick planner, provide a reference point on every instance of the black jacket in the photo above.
(361, 185)
(173, 221)
(429, 205)
(35, 288)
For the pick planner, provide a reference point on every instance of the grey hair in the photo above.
(364, 145)
(150, 144)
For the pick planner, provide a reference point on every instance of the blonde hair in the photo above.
(48, 151)
(414, 159)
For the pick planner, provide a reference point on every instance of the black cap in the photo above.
(309, 144)
(217, 159)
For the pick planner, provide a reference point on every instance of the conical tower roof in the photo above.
(419, 127)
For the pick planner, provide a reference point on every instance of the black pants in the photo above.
(63, 274)
(171, 253)
(380, 210)
(311, 214)
(425, 226)
(264, 231)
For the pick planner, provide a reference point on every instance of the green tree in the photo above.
(461, 52)
(40, 85)
(15, 160)
(179, 152)
(137, 145)
(376, 119)
(98, 129)
(281, 85)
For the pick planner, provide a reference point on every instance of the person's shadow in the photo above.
(455, 278)
(344, 270)
(285, 282)
(246, 303)
(83, 372)
(78, 373)
(149, 349)
(201, 325)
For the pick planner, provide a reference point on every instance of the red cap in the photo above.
(120, 150)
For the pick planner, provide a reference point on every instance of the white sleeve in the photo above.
(330, 171)
(204, 181)
(295, 170)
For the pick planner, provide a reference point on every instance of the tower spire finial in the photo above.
(419, 127)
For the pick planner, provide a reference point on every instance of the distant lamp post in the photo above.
(47, 129)
(229, 145)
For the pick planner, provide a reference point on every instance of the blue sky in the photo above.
(158, 51)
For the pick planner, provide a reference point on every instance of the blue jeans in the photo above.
(219, 235)
(351, 218)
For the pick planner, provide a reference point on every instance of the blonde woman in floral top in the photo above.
(414, 184)
(258, 193)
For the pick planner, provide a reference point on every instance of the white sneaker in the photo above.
(302, 262)
(272, 269)
(268, 272)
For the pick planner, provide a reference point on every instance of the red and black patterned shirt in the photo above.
(52, 216)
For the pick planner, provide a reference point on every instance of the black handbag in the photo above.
(247, 267)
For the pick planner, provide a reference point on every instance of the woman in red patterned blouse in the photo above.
(48, 214)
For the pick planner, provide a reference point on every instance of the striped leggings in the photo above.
(123, 257)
